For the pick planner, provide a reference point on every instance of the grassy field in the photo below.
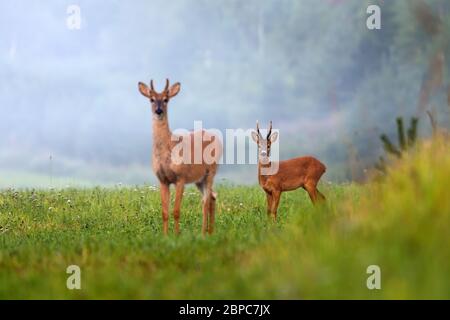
(401, 224)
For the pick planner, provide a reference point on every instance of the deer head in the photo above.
(159, 101)
(264, 144)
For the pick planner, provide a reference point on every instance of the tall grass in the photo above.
(401, 224)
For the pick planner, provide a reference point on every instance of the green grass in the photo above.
(401, 224)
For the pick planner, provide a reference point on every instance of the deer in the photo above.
(169, 170)
(304, 172)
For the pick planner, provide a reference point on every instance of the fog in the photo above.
(71, 113)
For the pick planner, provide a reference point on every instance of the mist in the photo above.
(71, 113)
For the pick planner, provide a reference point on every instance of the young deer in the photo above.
(292, 174)
(179, 173)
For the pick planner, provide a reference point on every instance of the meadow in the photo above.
(400, 223)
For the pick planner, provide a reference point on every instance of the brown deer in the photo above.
(170, 170)
(289, 174)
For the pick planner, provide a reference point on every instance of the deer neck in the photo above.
(263, 178)
(161, 138)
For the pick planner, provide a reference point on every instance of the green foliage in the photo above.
(114, 235)
(405, 141)
(412, 132)
(401, 134)
(389, 147)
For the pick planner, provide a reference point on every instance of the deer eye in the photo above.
(152, 100)
(166, 100)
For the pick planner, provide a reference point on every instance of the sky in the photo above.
(71, 112)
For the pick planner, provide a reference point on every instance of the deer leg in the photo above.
(269, 203)
(206, 207)
(275, 202)
(312, 191)
(179, 189)
(321, 196)
(165, 200)
(212, 212)
(201, 187)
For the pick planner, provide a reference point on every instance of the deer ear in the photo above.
(143, 89)
(274, 137)
(174, 89)
(255, 136)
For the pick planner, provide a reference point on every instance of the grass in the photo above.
(401, 224)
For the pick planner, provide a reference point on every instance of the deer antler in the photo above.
(257, 128)
(167, 85)
(270, 130)
(151, 85)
